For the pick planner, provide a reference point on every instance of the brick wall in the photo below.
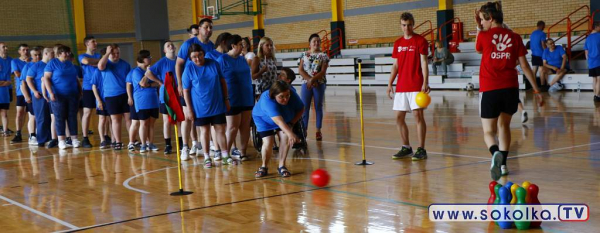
(109, 16)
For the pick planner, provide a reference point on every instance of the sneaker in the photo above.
(33, 141)
(218, 155)
(184, 154)
(131, 147)
(596, 98)
(86, 143)
(495, 167)
(53, 143)
(143, 149)
(319, 136)
(404, 152)
(16, 139)
(8, 131)
(63, 145)
(226, 160)
(118, 146)
(137, 144)
(421, 154)
(208, 163)
(193, 150)
(168, 149)
(152, 147)
(69, 141)
(504, 170)
(212, 146)
(236, 152)
(524, 117)
(104, 145)
(76, 143)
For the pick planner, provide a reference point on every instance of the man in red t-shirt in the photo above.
(499, 86)
(410, 66)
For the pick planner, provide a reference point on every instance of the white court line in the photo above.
(126, 182)
(61, 222)
(563, 148)
(330, 160)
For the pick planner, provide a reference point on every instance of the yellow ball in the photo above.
(423, 99)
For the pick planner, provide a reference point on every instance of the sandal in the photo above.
(284, 172)
(262, 172)
(118, 146)
(208, 163)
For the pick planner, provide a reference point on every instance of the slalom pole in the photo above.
(362, 124)
(180, 192)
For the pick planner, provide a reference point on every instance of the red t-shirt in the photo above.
(408, 55)
(501, 49)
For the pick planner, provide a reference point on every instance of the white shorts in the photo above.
(405, 101)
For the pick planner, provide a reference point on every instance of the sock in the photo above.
(493, 149)
(224, 153)
(407, 146)
(194, 143)
(206, 155)
(32, 135)
(168, 141)
(504, 157)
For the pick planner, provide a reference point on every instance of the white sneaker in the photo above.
(63, 145)
(76, 143)
(504, 170)
(184, 153)
(33, 141)
(524, 117)
(193, 150)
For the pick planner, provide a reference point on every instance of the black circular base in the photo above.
(181, 193)
(364, 162)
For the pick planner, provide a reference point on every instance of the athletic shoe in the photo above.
(53, 143)
(596, 98)
(76, 143)
(8, 131)
(236, 152)
(421, 154)
(504, 170)
(118, 146)
(137, 144)
(63, 145)
(524, 117)
(86, 143)
(131, 147)
(143, 149)
(495, 167)
(104, 145)
(184, 153)
(193, 149)
(33, 141)
(168, 149)
(217, 155)
(226, 160)
(404, 152)
(319, 136)
(16, 139)
(69, 141)
(152, 147)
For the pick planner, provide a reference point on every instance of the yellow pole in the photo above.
(259, 20)
(362, 124)
(178, 158)
(79, 16)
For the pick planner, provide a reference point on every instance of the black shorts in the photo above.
(492, 103)
(144, 114)
(163, 109)
(133, 115)
(88, 100)
(102, 113)
(29, 108)
(211, 120)
(5, 106)
(595, 72)
(267, 133)
(237, 110)
(182, 101)
(536, 61)
(116, 105)
(21, 101)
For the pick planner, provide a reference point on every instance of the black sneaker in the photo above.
(69, 141)
(16, 139)
(8, 131)
(137, 144)
(403, 153)
(53, 143)
(168, 149)
(131, 147)
(421, 154)
(596, 98)
(118, 146)
(104, 145)
(85, 143)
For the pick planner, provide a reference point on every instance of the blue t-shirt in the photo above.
(88, 70)
(239, 80)
(185, 47)
(5, 71)
(19, 80)
(64, 77)
(266, 108)
(554, 58)
(96, 80)
(114, 78)
(160, 70)
(535, 42)
(144, 98)
(213, 55)
(37, 72)
(204, 83)
(592, 45)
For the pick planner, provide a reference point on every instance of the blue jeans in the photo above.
(65, 108)
(41, 109)
(318, 93)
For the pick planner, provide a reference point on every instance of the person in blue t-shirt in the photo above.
(241, 96)
(45, 132)
(592, 54)
(157, 73)
(114, 74)
(203, 39)
(21, 85)
(89, 64)
(146, 101)
(277, 110)
(5, 71)
(537, 43)
(17, 66)
(206, 92)
(134, 126)
(555, 61)
(63, 91)
(103, 116)
(221, 44)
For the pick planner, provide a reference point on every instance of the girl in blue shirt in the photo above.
(103, 116)
(241, 96)
(206, 92)
(146, 101)
(277, 110)
(63, 91)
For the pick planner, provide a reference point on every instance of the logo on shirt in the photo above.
(404, 49)
(502, 42)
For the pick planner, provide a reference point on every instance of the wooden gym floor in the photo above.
(44, 190)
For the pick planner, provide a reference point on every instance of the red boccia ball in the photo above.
(320, 178)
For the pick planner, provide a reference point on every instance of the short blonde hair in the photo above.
(260, 54)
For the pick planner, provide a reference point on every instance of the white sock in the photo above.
(206, 156)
